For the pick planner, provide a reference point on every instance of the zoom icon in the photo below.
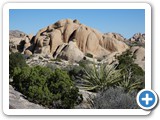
(147, 99)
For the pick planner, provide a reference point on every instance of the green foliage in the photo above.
(32, 83)
(133, 75)
(96, 78)
(42, 86)
(89, 55)
(16, 60)
(61, 85)
(137, 83)
(115, 98)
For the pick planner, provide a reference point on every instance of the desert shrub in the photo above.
(43, 86)
(115, 98)
(63, 89)
(89, 55)
(32, 83)
(96, 78)
(16, 60)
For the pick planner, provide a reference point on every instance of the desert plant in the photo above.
(32, 83)
(115, 98)
(16, 60)
(99, 78)
(43, 86)
(63, 88)
(131, 82)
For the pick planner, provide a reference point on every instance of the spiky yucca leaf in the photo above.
(100, 77)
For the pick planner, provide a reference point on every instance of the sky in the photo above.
(126, 22)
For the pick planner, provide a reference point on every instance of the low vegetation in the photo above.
(42, 86)
(115, 98)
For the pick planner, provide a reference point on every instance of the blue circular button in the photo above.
(147, 99)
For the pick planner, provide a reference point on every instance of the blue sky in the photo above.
(124, 21)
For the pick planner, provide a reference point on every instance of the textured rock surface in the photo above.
(139, 52)
(17, 101)
(87, 39)
(71, 52)
(116, 36)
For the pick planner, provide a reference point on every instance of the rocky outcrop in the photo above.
(16, 34)
(20, 42)
(138, 37)
(49, 41)
(17, 101)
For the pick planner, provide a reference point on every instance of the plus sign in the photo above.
(147, 99)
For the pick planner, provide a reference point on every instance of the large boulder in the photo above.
(70, 52)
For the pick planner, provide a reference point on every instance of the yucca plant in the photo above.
(130, 82)
(99, 77)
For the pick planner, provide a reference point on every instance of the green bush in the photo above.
(63, 88)
(32, 82)
(42, 86)
(115, 98)
(16, 60)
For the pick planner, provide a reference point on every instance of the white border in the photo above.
(8, 6)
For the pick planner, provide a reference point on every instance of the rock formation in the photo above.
(49, 39)
(138, 37)
(139, 52)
